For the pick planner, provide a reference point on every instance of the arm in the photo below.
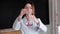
(42, 26)
(39, 23)
(17, 24)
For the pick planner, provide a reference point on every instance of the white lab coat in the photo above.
(20, 24)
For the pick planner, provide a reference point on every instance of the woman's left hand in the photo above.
(35, 19)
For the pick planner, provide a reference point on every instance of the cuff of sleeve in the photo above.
(42, 26)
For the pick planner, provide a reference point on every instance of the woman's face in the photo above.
(28, 7)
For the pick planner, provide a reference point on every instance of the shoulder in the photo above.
(18, 19)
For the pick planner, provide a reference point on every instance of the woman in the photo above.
(29, 24)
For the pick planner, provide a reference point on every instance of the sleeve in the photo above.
(17, 24)
(42, 26)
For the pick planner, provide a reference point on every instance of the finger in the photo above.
(25, 11)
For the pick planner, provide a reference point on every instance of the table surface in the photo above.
(9, 31)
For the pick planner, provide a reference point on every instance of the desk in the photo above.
(9, 31)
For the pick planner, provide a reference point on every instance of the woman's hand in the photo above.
(35, 19)
(32, 17)
(23, 11)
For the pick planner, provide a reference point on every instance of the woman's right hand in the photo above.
(23, 12)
